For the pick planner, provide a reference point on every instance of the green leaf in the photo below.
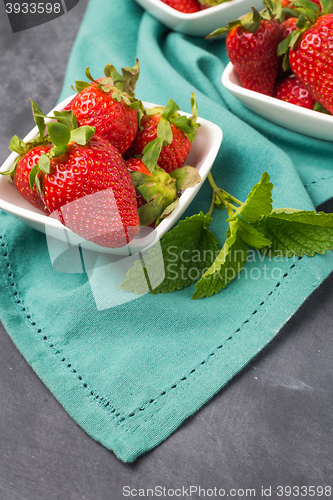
(12, 168)
(59, 134)
(17, 145)
(66, 117)
(326, 6)
(57, 151)
(186, 177)
(170, 109)
(251, 235)
(167, 211)
(39, 119)
(44, 164)
(258, 203)
(131, 76)
(297, 232)
(164, 131)
(151, 153)
(32, 176)
(224, 29)
(150, 211)
(188, 249)
(81, 85)
(82, 135)
(226, 266)
(320, 108)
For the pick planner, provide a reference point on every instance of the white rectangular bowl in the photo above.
(287, 115)
(200, 23)
(202, 155)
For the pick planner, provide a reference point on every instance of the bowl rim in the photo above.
(211, 11)
(238, 89)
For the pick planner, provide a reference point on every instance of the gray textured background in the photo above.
(272, 425)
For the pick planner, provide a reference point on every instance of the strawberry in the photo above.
(22, 172)
(291, 90)
(288, 26)
(109, 105)
(90, 190)
(81, 179)
(251, 47)
(27, 160)
(186, 6)
(310, 52)
(137, 165)
(165, 136)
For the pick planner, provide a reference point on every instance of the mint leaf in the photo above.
(251, 235)
(188, 249)
(298, 232)
(226, 266)
(258, 203)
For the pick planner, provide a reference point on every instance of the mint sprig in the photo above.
(253, 223)
(187, 250)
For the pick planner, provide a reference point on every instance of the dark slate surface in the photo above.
(271, 426)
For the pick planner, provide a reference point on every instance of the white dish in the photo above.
(202, 155)
(292, 117)
(199, 23)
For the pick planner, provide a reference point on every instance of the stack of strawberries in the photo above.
(105, 165)
(285, 51)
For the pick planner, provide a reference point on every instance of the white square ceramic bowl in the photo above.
(202, 155)
(199, 23)
(287, 115)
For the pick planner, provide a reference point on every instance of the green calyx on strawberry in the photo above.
(59, 134)
(308, 13)
(159, 190)
(169, 128)
(120, 86)
(252, 20)
(20, 147)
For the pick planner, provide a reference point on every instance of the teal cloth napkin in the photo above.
(129, 371)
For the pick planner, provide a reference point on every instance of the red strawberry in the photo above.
(311, 60)
(171, 142)
(137, 165)
(171, 156)
(309, 48)
(90, 190)
(22, 172)
(288, 26)
(186, 6)
(109, 105)
(251, 46)
(114, 121)
(291, 90)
